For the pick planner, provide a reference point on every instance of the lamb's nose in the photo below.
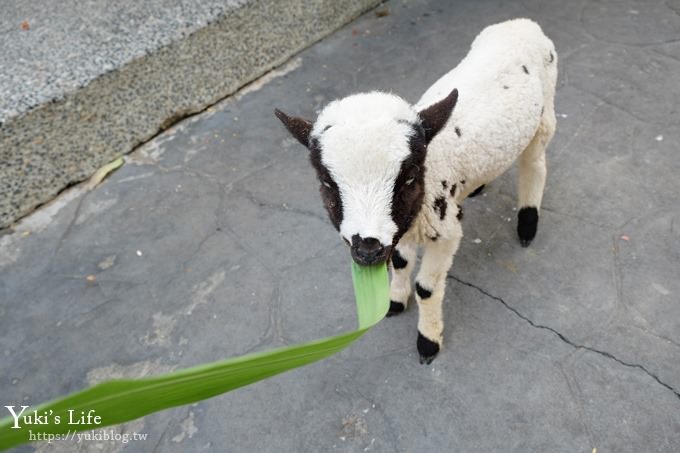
(368, 249)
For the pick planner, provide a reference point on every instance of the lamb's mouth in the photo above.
(379, 258)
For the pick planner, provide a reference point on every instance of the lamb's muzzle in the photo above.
(368, 251)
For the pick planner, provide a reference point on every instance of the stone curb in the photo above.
(64, 141)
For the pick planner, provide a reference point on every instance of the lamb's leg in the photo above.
(430, 285)
(532, 171)
(402, 264)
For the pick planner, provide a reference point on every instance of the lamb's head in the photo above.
(369, 154)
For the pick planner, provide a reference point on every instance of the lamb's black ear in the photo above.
(435, 116)
(298, 127)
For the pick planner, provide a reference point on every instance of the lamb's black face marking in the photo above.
(459, 216)
(440, 206)
(453, 190)
(398, 261)
(458, 133)
(445, 185)
(301, 128)
(422, 292)
(330, 193)
(526, 70)
(409, 187)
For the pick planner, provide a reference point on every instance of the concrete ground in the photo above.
(211, 242)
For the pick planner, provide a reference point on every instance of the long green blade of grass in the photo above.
(122, 400)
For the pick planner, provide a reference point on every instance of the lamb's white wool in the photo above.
(370, 152)
(364, 139)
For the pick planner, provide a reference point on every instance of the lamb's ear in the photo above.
(435, 116)
(298, 127)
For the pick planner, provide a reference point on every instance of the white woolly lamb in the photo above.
(393, 175)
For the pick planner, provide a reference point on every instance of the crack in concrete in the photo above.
(577, 397)
(587, 31)
(665, 55)
(564, 338)
(377, 407)
(69, 227)
(278, 207)
(669, 6)
(656, 335)
(615, 106)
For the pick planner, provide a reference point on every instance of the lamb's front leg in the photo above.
(402, 264)
(430, 285)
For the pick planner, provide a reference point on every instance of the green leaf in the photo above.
(122, 400)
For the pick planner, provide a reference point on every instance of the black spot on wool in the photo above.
(445, 184)
(459, 216)
(422, 292)
(398, 261)
(453, 190)
(457, 129)
(440, 206)
(525, 69)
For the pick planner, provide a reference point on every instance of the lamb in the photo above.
(393, 175)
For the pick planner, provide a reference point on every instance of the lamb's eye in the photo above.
(409, 181)
(326, 184)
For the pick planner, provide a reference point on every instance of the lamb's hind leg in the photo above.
(532, 172)
(430, 285)
(402, 264)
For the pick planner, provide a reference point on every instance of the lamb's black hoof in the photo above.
(525, 242)
(477, 191)
(395, 308)
(427, 349)
(527, 223)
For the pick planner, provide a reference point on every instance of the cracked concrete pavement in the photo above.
(211, 242)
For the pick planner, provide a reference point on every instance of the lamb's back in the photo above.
(504, 83)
